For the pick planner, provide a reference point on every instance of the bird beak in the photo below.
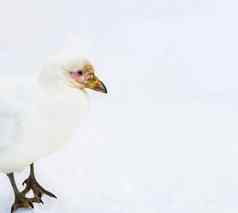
(97, 85)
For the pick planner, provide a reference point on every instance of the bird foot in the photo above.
(38, 191)
(21, 202)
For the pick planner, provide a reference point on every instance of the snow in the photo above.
(164, 139)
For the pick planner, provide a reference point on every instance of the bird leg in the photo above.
(32, 184)
(20, 200)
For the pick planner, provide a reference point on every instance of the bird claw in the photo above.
(37, 189)
(21, 202)
(37, 200)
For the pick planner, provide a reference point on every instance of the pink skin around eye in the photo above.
(77, 77)
(82, 78)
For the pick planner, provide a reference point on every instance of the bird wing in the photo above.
(9, 126)
(13, 104)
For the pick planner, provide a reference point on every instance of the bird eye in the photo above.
(79, 72)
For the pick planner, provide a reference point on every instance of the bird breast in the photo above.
(52, 120)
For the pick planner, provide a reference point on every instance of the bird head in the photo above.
(82, 76)
(76, 72)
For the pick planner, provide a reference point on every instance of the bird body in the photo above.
(35, 123)
(39, 113)
(38, 116)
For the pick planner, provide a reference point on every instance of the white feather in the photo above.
(38, 115)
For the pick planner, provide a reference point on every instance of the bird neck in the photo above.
(62, 111)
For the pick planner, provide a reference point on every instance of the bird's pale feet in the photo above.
(21, 202)
(38, 191)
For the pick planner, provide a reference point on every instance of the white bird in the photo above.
(38, 117)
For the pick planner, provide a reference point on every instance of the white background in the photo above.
(164, 140)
